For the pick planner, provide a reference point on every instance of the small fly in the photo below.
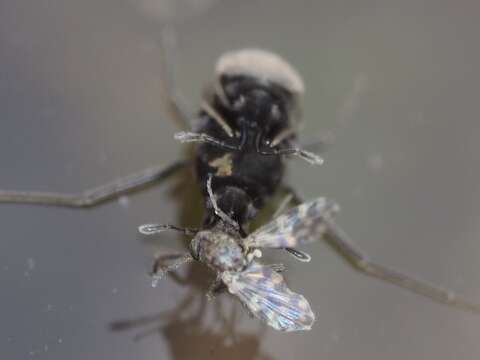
(259, 287)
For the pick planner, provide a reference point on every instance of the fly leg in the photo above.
(187, 137)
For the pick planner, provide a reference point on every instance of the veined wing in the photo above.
(301, 224)
(265, 293)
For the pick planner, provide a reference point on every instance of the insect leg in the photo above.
(319, 145)
(283, 205)
(176, 106)
(308, 156)
(296, 197)
(95, 196)
(151, 229)
(161, 258)
(216, 288)
(161, 271)
(187, 137)
(219, 212)
(340, 241)
(282, 135)
(289, 149)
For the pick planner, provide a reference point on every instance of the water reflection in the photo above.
(198, 328)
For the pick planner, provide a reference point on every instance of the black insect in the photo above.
(247, 125)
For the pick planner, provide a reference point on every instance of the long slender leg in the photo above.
(176, 106)
(319, 145)
(340, 241)
(151, 229)
(95, 196)
(308, 156)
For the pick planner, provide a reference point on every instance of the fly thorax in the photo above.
(219, 250)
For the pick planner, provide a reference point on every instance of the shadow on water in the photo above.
(188, 329)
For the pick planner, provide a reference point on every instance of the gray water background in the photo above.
(80, 92)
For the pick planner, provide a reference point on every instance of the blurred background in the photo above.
(396, 83)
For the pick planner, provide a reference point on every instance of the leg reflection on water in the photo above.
(198, 328)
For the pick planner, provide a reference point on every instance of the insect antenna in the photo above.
(151, 229)
(299, 255)
(219, 212)
(159, 271)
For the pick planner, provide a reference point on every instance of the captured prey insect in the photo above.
(247, 125)
(261, 288)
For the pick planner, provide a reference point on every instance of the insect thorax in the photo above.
(219, 250)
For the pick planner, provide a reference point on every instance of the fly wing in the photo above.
(264, 292)
(301, 224)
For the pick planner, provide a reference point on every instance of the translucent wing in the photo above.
(265, 293)
(301, 224)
